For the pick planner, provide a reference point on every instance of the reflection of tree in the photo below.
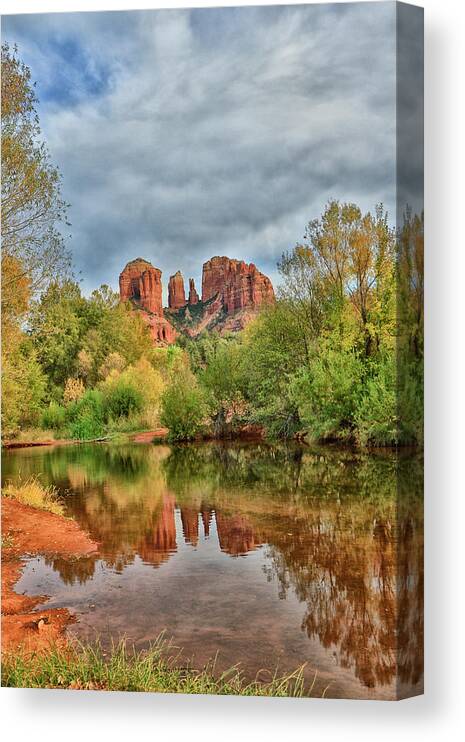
(342, 531)
(345, 573)
(73, 570)
(337, 538)
(360, 576)
(92, 464)
(410, 601)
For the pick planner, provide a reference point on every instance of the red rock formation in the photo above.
(161, 330)
(140, 282)
(176, 292)
(238, 284)
(229, 286)
(193, 295)
(151, 291)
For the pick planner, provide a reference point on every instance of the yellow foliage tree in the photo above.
(74, 389)
(31, 198)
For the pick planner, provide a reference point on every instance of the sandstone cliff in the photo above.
(194, 298)
(240, 285)
(176, 292)
(140, 283)
(232, 293)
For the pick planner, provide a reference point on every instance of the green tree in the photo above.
(56, 325)
(221, 380)
(183, 407)
(23, 388)
(328, 390)
(352, 259)
(273, 350)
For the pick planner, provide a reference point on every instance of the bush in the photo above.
(23, 388)
(183, 406)
(114, 362)
(133, 394)
(410, 401)
(271, 354)
(376, 417)
(86, 416)
(221, 380)
(54, 416)
(121, 400)
(327, 393)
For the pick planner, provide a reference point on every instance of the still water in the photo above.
(263, 555)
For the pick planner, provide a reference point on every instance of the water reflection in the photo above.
(337, 539)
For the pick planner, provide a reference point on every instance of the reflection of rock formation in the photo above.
(235, 534)
(206, 520)
(160, 542)
(190, 525)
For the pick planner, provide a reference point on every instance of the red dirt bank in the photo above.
(34, 532)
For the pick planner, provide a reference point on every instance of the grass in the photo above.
(31, 435)
(7, 541)
(33, 493)
(88, 667)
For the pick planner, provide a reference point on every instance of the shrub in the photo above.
(23, 388)
(114, 362)
(183, 406)
(135, 390)
(121, 400)
(376, 417)
(410, 401)
(54, 416)
(327, 393)
(86, 416)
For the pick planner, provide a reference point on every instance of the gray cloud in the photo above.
(187, 134)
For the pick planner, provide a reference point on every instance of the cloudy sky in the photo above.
(186, 134)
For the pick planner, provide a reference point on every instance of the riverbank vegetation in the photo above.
(330, 360)
(33, 493)
(89, 667)
(339, 356)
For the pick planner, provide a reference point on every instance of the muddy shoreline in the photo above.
(29, 531)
